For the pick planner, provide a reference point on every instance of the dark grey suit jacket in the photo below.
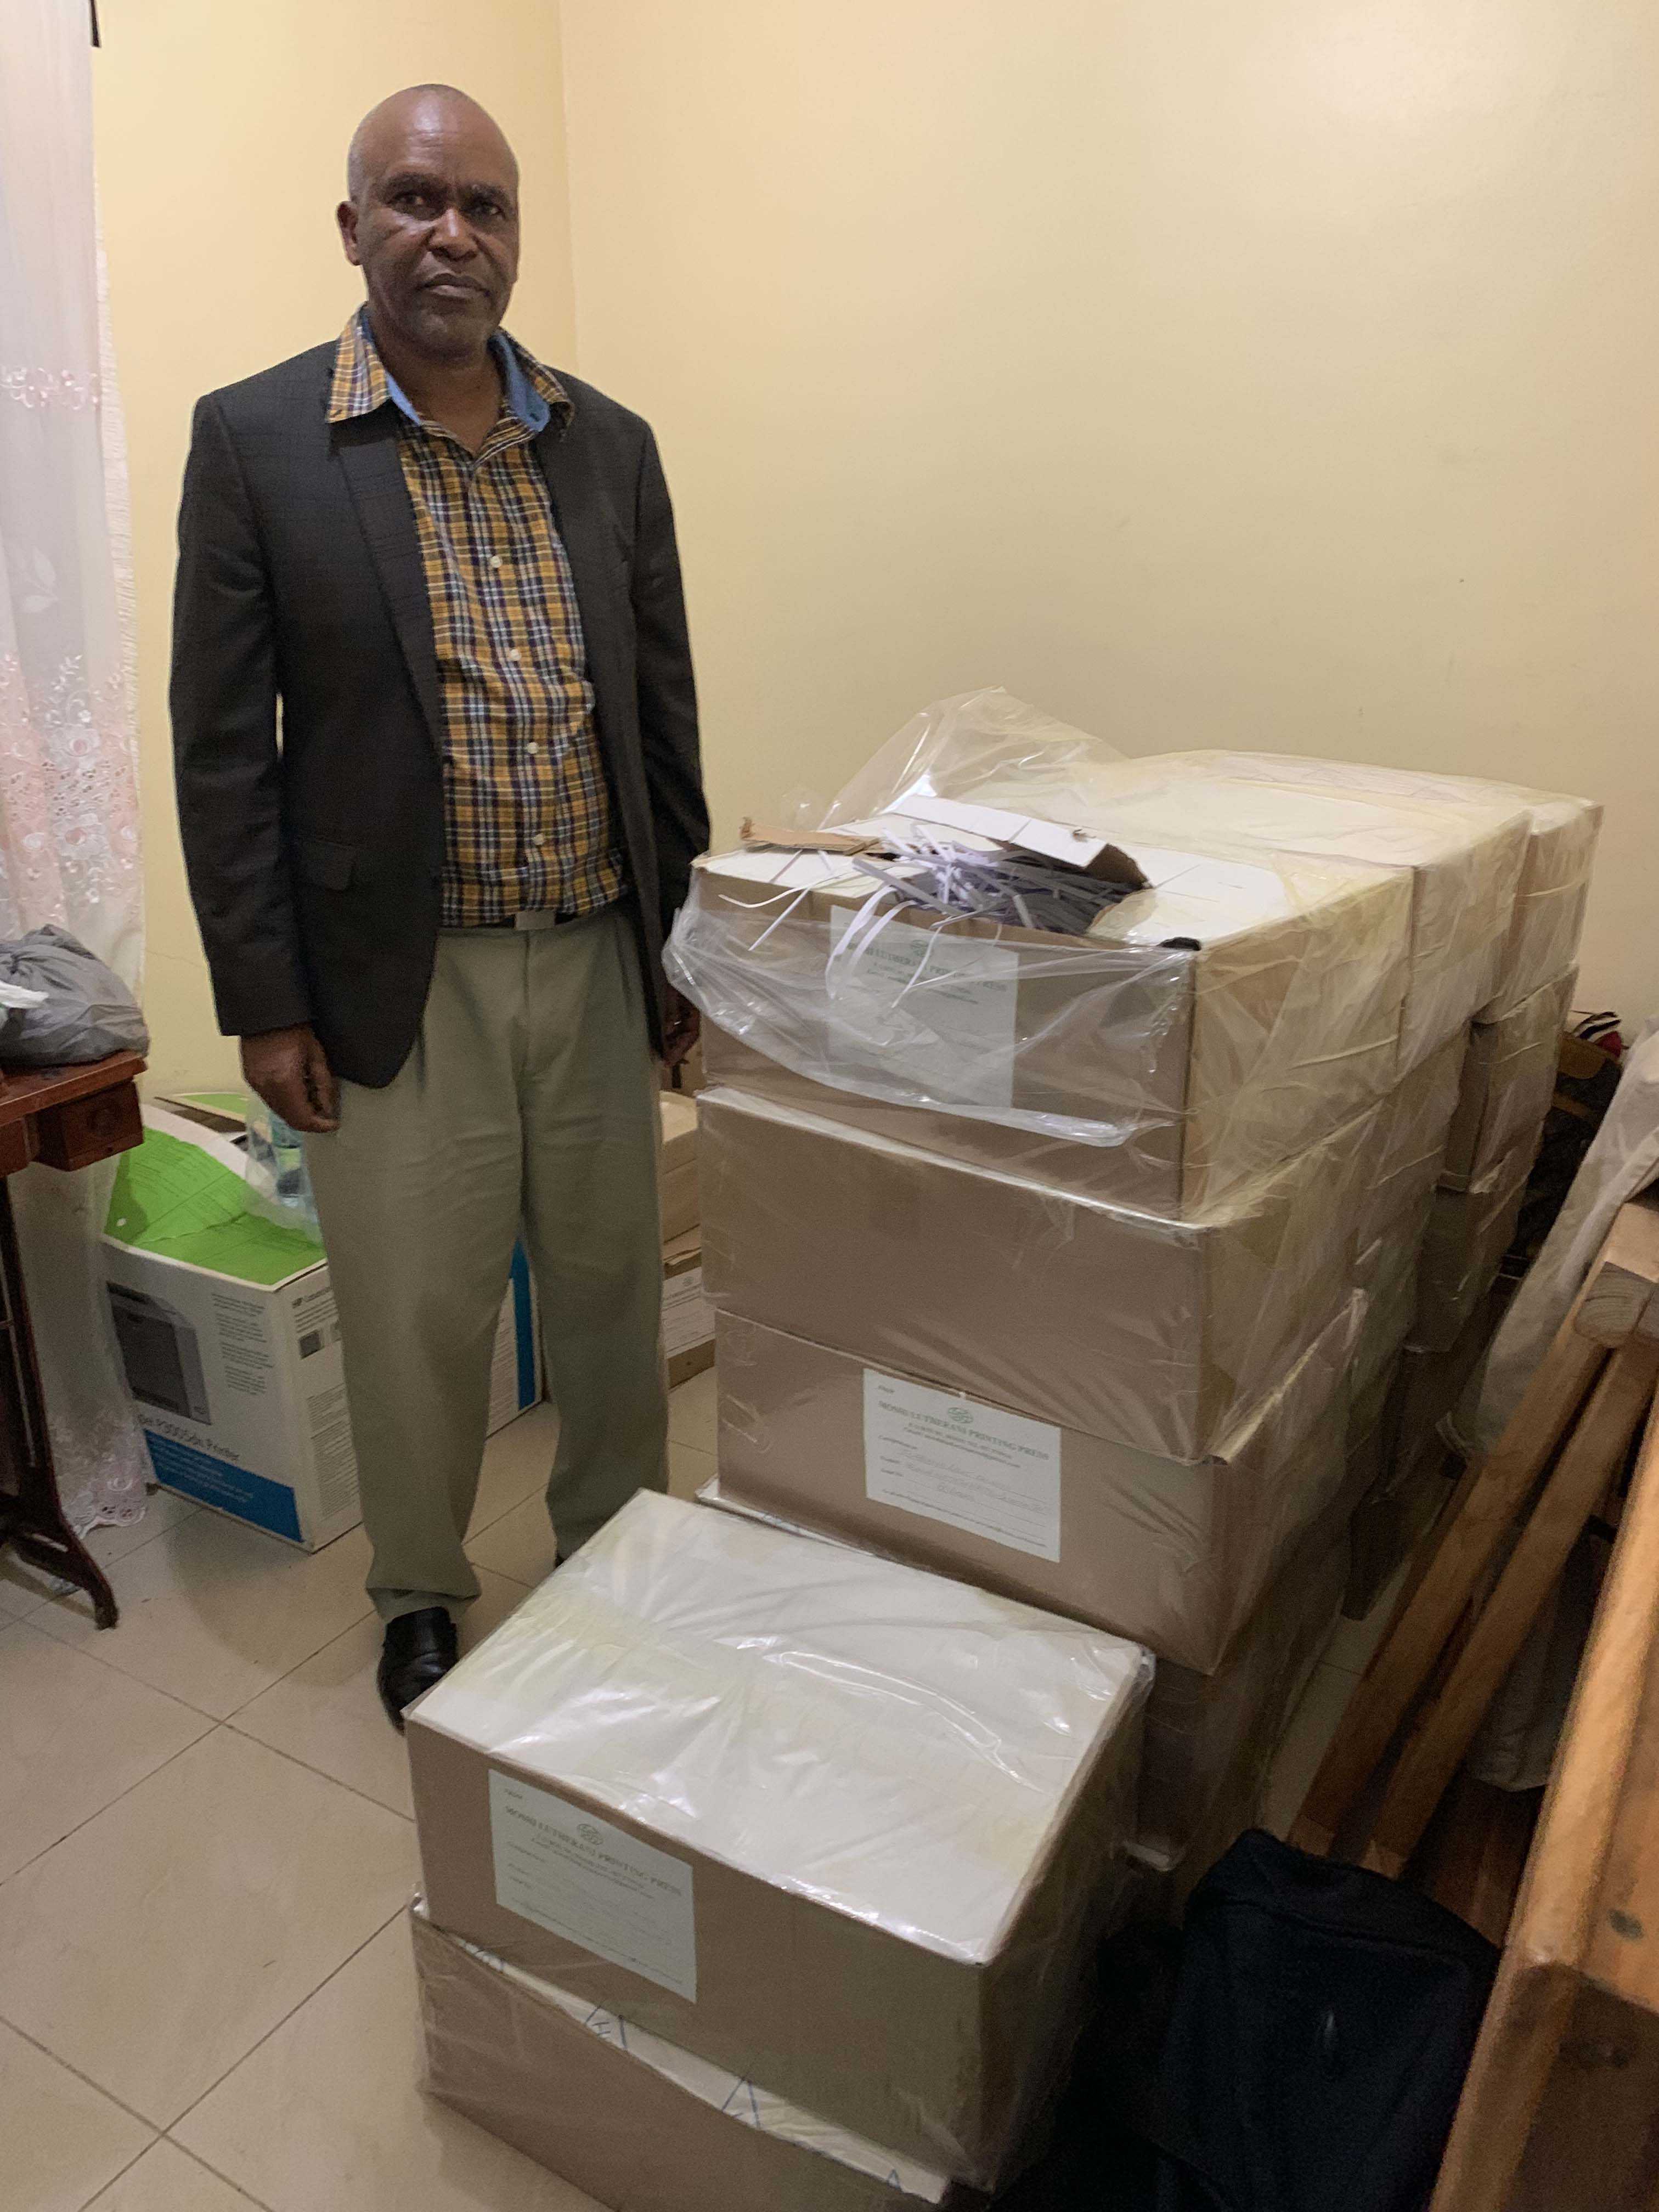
(315, 860)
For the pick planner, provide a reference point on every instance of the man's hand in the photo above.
(681, 1027)
(288, 1069)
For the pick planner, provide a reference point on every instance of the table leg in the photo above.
(31, 1515)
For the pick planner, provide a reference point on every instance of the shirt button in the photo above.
(539, 841)
(515, 654)
(494, 560)
(533, 749)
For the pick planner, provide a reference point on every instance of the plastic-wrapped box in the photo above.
(1469, 1233)
(638, 2123)
(1206, 1733)
(1207, 1029)
(1387, 1273)
(1461, 846)
(1161, 1334)
(1507, 1081)
(1413, 1130)
(844, 1829)
(1172, 1554)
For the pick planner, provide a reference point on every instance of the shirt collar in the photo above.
(362, 383)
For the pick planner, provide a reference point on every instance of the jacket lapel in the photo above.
(367, 447)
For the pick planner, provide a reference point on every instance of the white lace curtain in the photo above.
(69, 788)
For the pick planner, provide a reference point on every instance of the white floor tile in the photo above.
(168, 2179)
(163, 1509)
(73, 1736)
(213, 1612)
(520, 1544)
(517, 1462)
(689, 1469)
(152, 1949)
(60, 2139)
(325, 2115)
(327, 1713)
(691, 1412)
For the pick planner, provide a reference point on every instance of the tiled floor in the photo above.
(206, 1998)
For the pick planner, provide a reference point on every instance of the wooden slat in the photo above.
(1551, 2052)
(1447, 1727)
(1604, 1315)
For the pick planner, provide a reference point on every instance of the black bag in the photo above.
(1304, 2052)
(1323, 2023)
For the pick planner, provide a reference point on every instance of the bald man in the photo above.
(434, 906)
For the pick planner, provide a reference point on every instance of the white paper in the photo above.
(687, 1319)
(974, 1467)
(582, 1878)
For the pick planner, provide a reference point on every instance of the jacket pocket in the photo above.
(329, 866)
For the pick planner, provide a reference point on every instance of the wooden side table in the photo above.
(67, 1118)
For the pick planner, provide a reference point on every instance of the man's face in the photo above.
(434, 227)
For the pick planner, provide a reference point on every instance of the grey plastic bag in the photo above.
(87, 1012)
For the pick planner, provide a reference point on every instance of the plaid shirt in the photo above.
(527, 811)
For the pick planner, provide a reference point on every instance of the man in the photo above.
(435, 909)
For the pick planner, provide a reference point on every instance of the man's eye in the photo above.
(413, 202)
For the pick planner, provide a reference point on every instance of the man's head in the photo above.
(431, 217)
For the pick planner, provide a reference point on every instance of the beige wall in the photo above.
(1281, 375)
(222, 135)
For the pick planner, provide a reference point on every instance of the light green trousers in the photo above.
(529, 1105)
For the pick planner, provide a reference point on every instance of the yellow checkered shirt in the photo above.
(526, 810)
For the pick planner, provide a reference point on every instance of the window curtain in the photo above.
(69, 785)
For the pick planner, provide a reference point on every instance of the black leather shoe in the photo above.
(420, 1649)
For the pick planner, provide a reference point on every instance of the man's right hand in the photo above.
(289, 1070)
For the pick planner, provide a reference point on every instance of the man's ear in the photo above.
(346, 216)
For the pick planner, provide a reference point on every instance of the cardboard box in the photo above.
(1388, 1273)
(1206, 1732)
(1506, 1083)
(1174, 1555)
(1413, 1130)
(1164, 1335)
(1550, 902)
(846, 1830)
(1469, 1233)
(636, 2122)
(228, 1334)
(687, 1319)
(676, 1166)
(1461, 847)
(1209, 1028)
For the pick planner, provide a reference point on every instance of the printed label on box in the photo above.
(995, 1474)
(949, 1002)
(583, 1878)
(687, 1317)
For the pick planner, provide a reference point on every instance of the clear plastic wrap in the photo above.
(1239, 1007)
(1469, 1233)
(1462, 845)
(1171, 1553)
(1387, 1273)
(1623, 1159)
(639, 2123)
(1413, 1133)
(1207, 1733)
(702, 1747)
(1507, 1082)
(1161, 1334)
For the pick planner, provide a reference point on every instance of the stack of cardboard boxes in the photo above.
(1061, 1283)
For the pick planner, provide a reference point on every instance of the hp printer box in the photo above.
(228, 1334)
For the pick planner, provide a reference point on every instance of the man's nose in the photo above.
(453, 235)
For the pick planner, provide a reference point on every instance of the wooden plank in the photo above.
(1471, 1531)
(1589, 1861)
(1619, 1406)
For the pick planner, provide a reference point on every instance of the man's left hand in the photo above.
(681, 1027)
